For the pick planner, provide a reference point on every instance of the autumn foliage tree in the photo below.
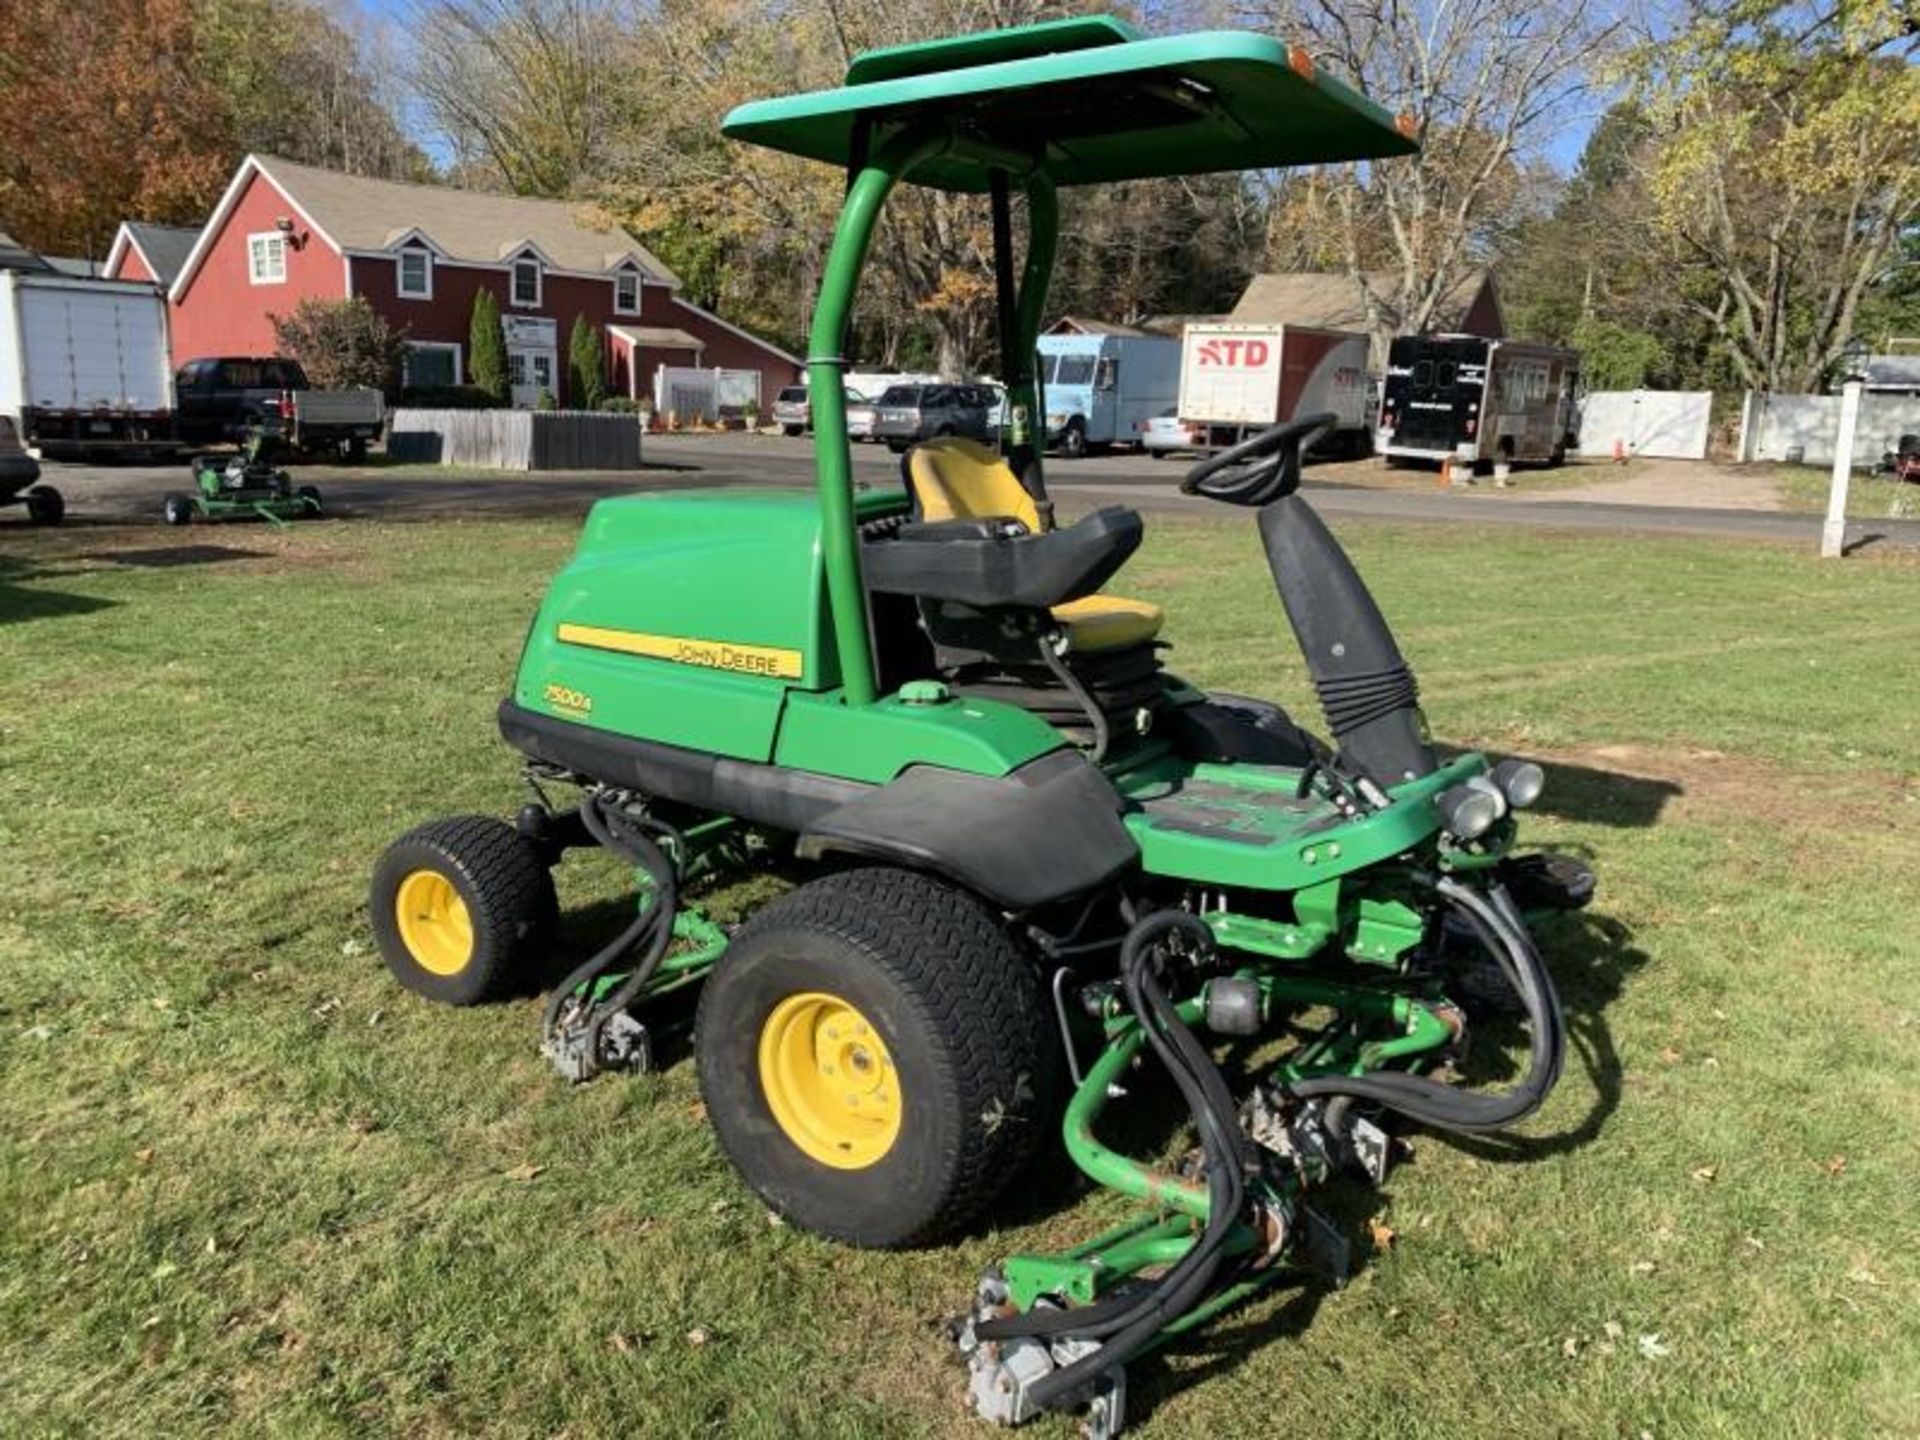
(104, 121)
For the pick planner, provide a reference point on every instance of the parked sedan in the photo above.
(911, 413)
(1167, 432)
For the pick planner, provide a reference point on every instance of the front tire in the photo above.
(872, 1056)
(461, 909)
(311, 495)
(178, 509)
(1073, 444)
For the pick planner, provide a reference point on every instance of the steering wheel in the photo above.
(1260, 469)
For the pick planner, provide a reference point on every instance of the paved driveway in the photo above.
(131, 494)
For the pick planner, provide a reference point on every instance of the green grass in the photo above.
(1869, 497)
(247, 1186)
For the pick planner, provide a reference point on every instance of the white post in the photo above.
(1833, 536)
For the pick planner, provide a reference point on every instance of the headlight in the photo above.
(1056, 421)
(1471, 808)
(1521, 781)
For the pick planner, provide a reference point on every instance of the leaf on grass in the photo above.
(776, 1219)
(1570, 1346)
(1614, 1329)
(38, 1032)
(352, 947)
(1707, 1174)
(525, 1172)
(698, 1335)
(164, 1269)
(1864, 1276)
(1642, 1267)
(1837, 1165)
(1382, 1234)
(1753, 1242)
(144, 1155)
(1652, 1347)
(1669, 1056)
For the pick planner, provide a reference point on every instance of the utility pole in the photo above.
(1833, 536)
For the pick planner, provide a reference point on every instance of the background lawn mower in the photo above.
(1040, 871)
(246, 484)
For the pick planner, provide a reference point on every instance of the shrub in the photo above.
(586, 366)
(619, 405)
(546, 400)
(487, 348)
(342, 344)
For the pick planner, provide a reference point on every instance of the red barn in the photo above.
(153, 253)
(419, 254)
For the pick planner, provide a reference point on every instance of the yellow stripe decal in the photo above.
(712, 654)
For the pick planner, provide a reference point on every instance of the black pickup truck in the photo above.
(225, 398)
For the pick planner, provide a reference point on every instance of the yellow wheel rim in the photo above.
(434, 923)
(829, 1080)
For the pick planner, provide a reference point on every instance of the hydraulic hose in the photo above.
(1126, 1324)
(1497, 924)
(651, 931)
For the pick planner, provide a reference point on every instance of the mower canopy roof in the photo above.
(1084, 100)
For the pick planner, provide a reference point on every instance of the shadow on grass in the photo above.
(19, 603)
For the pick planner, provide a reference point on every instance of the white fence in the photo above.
(688, 394)
(1670, 424)
(1806, 427)
(516, 439)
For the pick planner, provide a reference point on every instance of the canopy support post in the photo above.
(826, 386)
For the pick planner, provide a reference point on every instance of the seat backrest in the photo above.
(958, 479)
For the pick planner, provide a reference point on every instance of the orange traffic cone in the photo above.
(1446, 473)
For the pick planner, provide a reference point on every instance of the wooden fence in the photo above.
(516, 439)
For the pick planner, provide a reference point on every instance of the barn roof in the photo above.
(1333, 302)
(356, 214)
(362, 214)
(15, 256)
(164, 247)
(1080, 325)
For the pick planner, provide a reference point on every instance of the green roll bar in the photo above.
(869, 185)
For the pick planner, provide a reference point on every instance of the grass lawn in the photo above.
(248, 1186)
(1869, 497)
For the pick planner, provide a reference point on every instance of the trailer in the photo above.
(83, 365)
(1103, 389)
(1238, 379)
(1475, 401)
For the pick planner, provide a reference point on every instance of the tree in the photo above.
(522, 91)
(1785, 175)
(292, 80)
(343, 344)
(586, 366)
(105, 115)
(1482, 82)
(487, 348)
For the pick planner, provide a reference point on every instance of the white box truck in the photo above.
(83, 365)
(1236, 380)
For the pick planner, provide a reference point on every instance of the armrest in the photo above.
(986, 527)
(1018, 570)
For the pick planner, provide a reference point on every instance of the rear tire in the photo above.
(1073, 443)
(45, 506)
(178, 509)
(462, 908)
(312, 509)
(949, 1016)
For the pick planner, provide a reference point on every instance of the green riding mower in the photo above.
(246, 485)
(1038, 872)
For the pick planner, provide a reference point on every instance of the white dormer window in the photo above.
(526, 283)
(267, 258)
(416, 274)
(626, 293)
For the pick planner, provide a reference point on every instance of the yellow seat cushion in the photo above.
(1109, 622)
(957, 479)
